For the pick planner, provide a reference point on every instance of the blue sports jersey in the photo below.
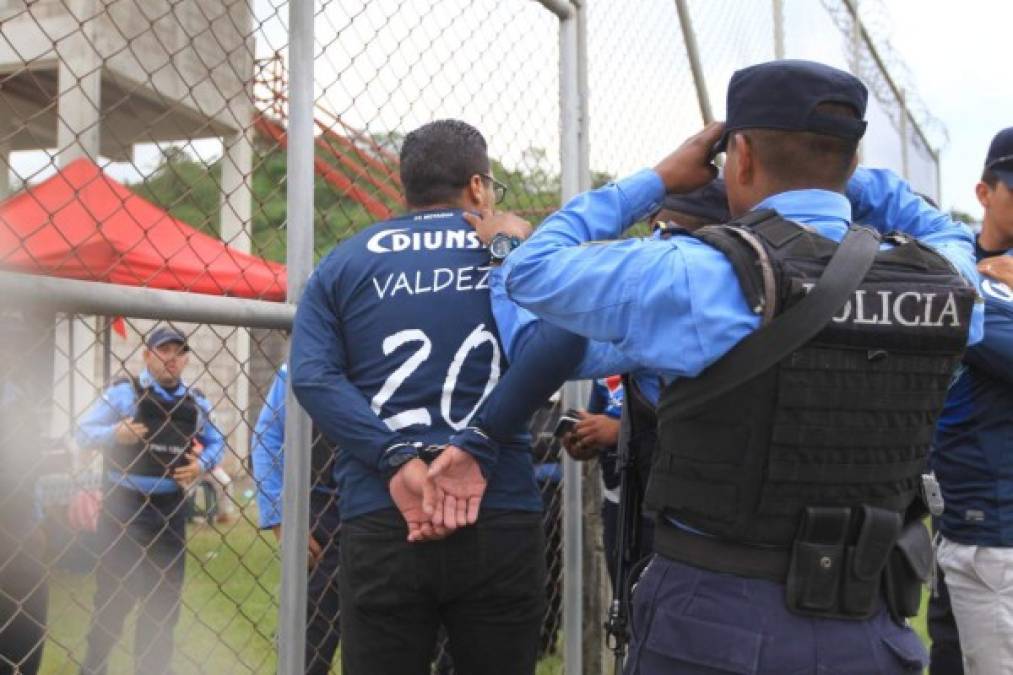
(973, 453)
(395, 341)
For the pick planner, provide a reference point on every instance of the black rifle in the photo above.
(627, 535)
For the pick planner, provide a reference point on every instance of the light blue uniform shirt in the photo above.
(267, 451)
(674, 306)
(97, 429)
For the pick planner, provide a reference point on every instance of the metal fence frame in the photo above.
(582, 632)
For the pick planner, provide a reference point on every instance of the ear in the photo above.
(476, 192)
(984, 194)
(745, 163)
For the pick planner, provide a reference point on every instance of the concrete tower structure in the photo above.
(94, 78)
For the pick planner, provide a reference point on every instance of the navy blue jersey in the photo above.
(395, 341)
(973, 453)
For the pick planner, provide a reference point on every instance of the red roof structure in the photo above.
(81, 224)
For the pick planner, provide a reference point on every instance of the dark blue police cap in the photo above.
(709, 202)
(1000, 156)
(784, 94)
(163, 335)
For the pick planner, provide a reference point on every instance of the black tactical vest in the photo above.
(322, 456)
(846, 420)
(172, 427)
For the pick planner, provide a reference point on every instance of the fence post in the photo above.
(904, 133)
(693, 53)
(570, 173)
(295, 497)
(778, 29)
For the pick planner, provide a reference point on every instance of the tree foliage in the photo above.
(190, 190)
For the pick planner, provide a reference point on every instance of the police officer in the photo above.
(972, 446)
(322, 625)
(806, 362)
(24, 586)
(156, 439)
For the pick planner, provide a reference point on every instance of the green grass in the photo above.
(229, 615)
(228, 618)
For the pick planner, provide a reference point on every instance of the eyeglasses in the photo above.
(499, 189)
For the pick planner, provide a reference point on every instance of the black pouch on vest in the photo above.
(817, 561)
(908, 568)
(865, 561)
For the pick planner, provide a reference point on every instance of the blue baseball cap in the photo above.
(1000, 156)
(709, 202)
(163, 335)
(783, 95)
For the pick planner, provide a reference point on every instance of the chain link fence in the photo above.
(145, 146)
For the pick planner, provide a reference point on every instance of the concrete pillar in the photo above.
(236, 226)
(79, 114)
(79, 102)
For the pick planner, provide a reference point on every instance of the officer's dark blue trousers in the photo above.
(687, 620)
(143, 540)
(323, 609)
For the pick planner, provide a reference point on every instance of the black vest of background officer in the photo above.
(172, 426)
(845, 421)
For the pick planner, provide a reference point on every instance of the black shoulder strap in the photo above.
(788, 331)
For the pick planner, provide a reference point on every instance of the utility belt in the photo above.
(843, 560)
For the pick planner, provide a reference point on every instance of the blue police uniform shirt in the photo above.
(267, 453)
(674, 306)
(973, 450)
(97, 429)
(395, 341)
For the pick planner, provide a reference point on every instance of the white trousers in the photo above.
(980, 581)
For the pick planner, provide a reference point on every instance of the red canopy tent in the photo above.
(81, 224)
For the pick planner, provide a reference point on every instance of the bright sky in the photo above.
(956, 52)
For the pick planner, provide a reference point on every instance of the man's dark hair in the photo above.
(802, 159)
(438, 159)
(989, 178)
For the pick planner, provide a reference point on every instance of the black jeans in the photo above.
(485, 584)
(322, 607)
(143, 541)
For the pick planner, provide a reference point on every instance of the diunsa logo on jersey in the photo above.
(406, 239)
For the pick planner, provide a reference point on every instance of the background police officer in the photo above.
(718, 599)
(322, 625)
(156, 438)
(973, 445)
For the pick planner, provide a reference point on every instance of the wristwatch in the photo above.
(501, 246)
